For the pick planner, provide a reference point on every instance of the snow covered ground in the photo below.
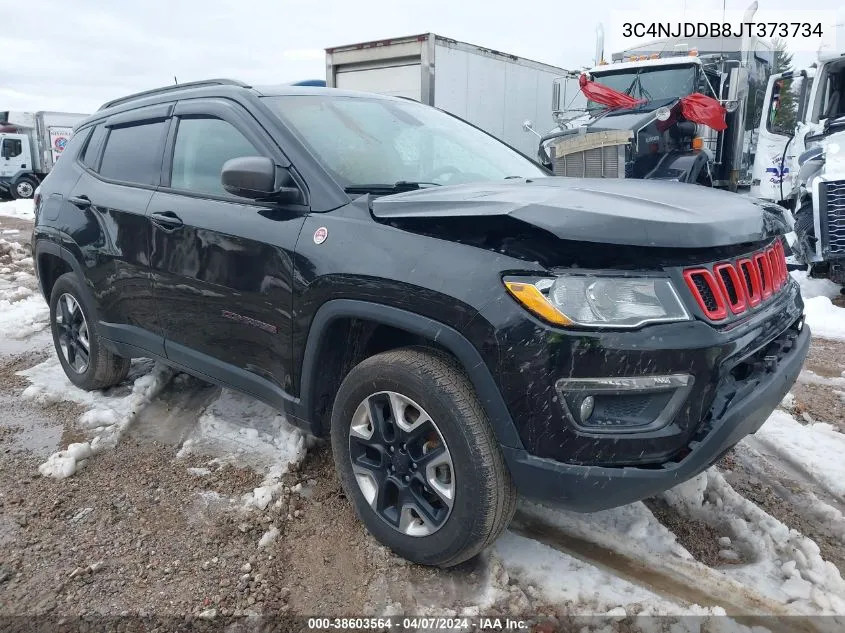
(23, 311)
(23, 209)
(239, 429)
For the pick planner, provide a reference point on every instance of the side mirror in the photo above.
(255, 177)
(528, 126)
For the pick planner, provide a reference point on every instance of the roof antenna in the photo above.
(175, 81)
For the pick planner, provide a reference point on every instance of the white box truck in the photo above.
(30, 144)
(494, 91)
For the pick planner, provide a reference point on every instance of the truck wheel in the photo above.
(417, 456)
(24, 188)
(87, 363)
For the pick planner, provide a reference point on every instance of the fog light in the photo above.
(587, 405)
(623, 404)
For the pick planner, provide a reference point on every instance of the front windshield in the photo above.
(649, 83)
(369, 140)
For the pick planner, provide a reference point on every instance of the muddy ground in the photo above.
(135, 532)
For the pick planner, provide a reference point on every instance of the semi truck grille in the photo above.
(832, 196)
(734, 287)
(591, 155)
(600, 162)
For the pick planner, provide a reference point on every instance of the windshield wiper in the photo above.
(400, 186)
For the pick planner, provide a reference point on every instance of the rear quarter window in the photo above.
(76, 142)
(92, 149)
(133, 153)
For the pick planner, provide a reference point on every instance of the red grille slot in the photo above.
(706, 292)
(765, 270)
(780, 258)
(777, 280)
(751, 277)
(731, 286)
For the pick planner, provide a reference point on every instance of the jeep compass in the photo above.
(460, 323)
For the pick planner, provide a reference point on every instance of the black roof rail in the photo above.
(190, 84)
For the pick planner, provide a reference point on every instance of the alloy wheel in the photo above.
(402, 463)
(73, 333)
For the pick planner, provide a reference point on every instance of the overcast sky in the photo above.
(73, 56)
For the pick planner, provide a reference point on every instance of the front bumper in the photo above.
(587, 488)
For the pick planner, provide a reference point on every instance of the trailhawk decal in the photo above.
(234, 316)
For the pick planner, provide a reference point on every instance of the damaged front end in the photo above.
(818, 240)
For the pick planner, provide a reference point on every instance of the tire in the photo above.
(428, 385)
(98, 368)
(24, 188)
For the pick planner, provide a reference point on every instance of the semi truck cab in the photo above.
(629, 142)
(797, 106)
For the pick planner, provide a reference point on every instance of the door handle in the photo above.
(80, 201)
(166, 220)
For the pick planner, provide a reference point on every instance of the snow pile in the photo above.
(18, 209)
(240, 429)
(814, 287)
(22, 309)
(22, 318)
(817, 449)
(824, 318)
(110, 414)
(786, 567)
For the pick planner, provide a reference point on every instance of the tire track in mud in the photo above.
(793, 470)
(789, 499)
(172, 415)
(675, 582)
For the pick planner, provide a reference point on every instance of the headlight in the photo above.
(598, 301)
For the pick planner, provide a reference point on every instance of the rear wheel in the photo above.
(418, 458)
(86, 362)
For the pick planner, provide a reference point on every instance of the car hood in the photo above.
(607, 211)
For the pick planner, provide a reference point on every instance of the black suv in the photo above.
(462, 325)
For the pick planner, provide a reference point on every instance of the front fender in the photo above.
(473, 364)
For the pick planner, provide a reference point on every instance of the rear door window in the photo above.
(133, 153)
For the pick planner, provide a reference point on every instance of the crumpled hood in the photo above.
(607, 211)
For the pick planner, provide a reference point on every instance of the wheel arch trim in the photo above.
(467, 355)
(46, 247)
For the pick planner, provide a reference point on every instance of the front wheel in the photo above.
(418, 458)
